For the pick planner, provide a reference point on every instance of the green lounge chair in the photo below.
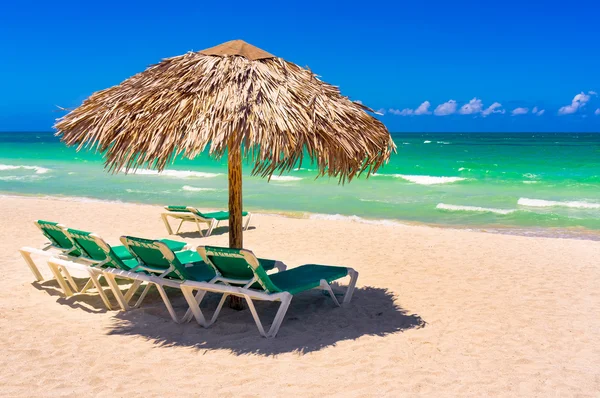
(233, 267)
(59, 245)
(98, 255)
(192, 214)
(172, 269)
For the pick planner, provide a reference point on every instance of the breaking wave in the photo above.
(552, 203)
(175, 173)
(444, 206)
(197, 189)
(38, 169)
(424, 180)
(285, 178)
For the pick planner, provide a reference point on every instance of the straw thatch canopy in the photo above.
(227, 96)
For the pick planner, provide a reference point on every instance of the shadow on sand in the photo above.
(88, 302)
(312, 323)
(223, 230)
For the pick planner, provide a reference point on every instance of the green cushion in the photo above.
(174, 245)
(57, 237)
(305, 277)
(122, 252)
(219, 215)
(188, 256)
(198, 272)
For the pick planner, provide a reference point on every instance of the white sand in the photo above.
(440, 312)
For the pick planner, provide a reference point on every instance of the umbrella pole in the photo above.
(236, 240)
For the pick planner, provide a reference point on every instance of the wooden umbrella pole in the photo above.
(236, 240)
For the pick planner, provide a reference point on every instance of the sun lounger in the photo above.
(192, 214)
(59, 246)
(239, 273)
(172, 269)
(95, 256)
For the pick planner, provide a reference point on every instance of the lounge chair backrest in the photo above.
(95, 248)
(185, 209)
(155, 256)
(238, 264)
(55, 233)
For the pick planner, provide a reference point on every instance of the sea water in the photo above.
(538, 184)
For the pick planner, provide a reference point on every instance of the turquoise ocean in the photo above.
(532, 184)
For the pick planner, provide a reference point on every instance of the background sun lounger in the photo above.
(192, 214)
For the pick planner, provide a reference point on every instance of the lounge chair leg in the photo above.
(219, 308)
(59, 278)
(87, 286)
(212, 226)
(143, 295)
(68, 277)
(179, 227)
(325, 286)
(164, 218)
(350, 290)
(167, 302)
(96, 283)
(283, 307)
(247, 221)
(189, 314)
(194, 304)
(114, 286)
(132, 290)
(27, 257)
(259, 325)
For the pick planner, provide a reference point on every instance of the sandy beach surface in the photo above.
(439, 312)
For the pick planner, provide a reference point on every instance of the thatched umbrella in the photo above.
(227, 97)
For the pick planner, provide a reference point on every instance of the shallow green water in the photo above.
(541, 183)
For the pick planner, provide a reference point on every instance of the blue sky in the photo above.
(391, 55)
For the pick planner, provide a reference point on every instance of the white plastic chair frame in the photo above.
(192, 215)
(285, 298)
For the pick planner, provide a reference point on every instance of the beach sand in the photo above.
(436, 311)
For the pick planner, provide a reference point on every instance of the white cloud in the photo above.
(597, 112)
(592, 92)
(474, 106)
(492, 109)
(423, 109)
(447, 108)
(534, 110)
(380, 112)
(519, 111)
(578, 101)
(540, 113)
(403, 112)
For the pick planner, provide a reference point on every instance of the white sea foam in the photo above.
(428, 180)
(197, 189)
(303, 169)
(461, 169)
(530, 182)
(443, 142)
(340, 217)
(552, 203)
(175, 173)
(427, 142)
(530, 175)
(285, 178)
(142, 191)
(444, 206)
(37, 169)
